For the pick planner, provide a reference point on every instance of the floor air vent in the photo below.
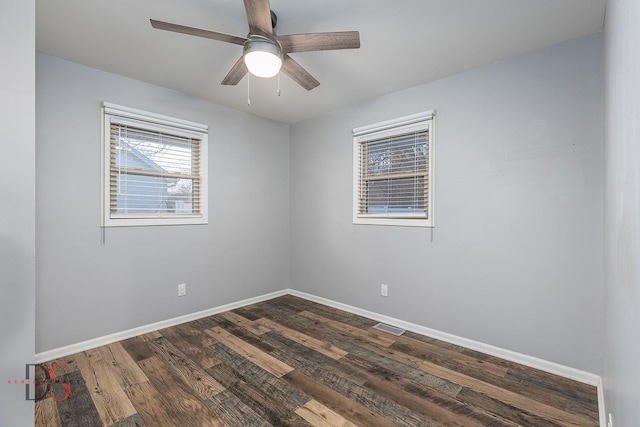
(394, 330)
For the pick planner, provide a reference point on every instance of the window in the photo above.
(154, 169)
(393, 172)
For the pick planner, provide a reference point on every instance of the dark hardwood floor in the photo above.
(292, 362)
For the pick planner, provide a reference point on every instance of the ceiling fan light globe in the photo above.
(263, 58)
(262, 64)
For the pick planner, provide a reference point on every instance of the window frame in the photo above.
(153, 122)
(395, 127)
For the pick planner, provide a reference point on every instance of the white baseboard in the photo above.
(533, 362)
(601, 409)
(130, 333)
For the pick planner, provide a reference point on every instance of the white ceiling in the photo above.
(403, 43)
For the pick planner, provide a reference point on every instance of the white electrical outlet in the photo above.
(182, 289)
(384, 290)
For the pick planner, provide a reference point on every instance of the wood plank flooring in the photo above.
(292, 362)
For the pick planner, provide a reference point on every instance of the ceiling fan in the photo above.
(264, 52)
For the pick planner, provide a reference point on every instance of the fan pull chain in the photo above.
(278, 84)
(248, 88)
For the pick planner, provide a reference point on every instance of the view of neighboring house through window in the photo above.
(155, 169)
(393, 172)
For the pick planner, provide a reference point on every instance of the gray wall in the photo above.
(85, 289)
(516, 259)
(622, 214)
(17, 206)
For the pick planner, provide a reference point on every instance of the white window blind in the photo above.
(393, 173)
(154, 170)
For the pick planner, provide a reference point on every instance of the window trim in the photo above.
(419, 121)
(113, 113)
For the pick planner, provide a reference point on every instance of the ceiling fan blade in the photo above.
(258, 15)
(320, 41)
(298, 74)
(176, 28)
(236, 73)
